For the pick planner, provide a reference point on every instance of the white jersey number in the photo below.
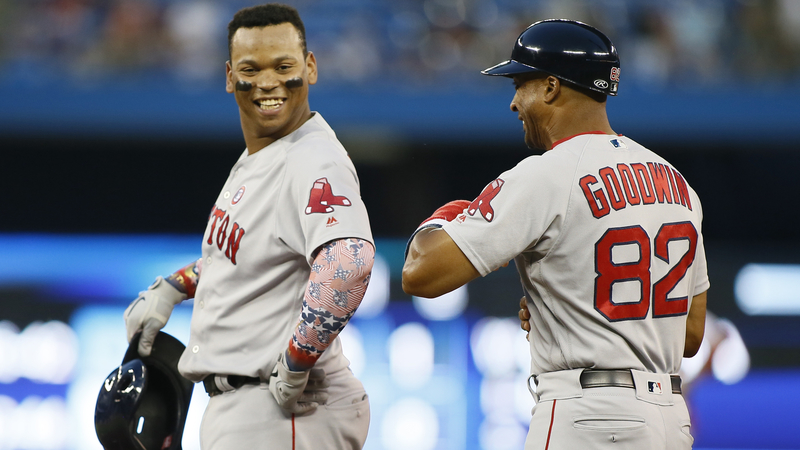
(609, 272)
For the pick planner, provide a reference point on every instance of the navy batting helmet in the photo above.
(143, 403)
(567, 49)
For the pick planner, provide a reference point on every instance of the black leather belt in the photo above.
(236, 381)
(618, 378)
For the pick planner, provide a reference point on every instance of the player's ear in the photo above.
(311, 68)
(552, 87)
(229, 85)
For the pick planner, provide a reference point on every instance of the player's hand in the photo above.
(150, 312)
(291, 389)
(316, 390)
(502, 266)
(525, 317)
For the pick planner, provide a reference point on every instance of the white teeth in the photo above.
(270, 103)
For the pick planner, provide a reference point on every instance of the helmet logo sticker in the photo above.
(615, 74)
(602, 84)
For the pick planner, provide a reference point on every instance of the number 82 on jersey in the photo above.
(610, 273)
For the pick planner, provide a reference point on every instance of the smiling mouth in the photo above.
(269, 103)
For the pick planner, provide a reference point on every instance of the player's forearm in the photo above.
(185, 279)
(435, 265)
(339, 277)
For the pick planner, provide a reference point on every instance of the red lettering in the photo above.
(634, 184)
(660, 182)
(672, 183)
(223, 229)
(610, 273)
(631, 193)
(673, 232)
(593, 197)
(643, 181)
(233, 239)
(612, 187)
(216, 214)
(233, 242)
(683, 190)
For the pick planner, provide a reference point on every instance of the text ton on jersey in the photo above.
(228, 236)
(483, 202)
(322, 200)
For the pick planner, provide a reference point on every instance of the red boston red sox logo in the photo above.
(615, 74)
(322, 199)
(483, 202)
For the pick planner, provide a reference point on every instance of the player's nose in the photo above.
(513, 105)
(267, 81)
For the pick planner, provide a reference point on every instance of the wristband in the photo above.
(185, 279)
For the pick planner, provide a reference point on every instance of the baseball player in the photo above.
(286, 258)
(606, 237)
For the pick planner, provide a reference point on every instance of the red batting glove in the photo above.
(446, 213)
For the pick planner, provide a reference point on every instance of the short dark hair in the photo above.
(266, 15)
(599, 97)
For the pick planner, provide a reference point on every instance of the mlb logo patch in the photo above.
(617, 143)
(654, 387)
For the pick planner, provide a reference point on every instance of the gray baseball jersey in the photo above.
(277, 207)
(606, 236)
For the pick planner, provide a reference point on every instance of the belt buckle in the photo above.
(210, 386)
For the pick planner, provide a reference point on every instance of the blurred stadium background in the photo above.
(116, 134)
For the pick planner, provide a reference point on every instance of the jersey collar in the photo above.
(561, 141)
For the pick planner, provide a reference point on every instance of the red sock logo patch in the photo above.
(322, 199)
(483, 202)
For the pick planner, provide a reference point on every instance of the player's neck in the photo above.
(257, 139)
(575, 121)
(256, 144)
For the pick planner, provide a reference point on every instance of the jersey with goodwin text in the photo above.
(606, 236)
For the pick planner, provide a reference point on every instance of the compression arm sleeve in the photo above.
(185, 279)
(339, 277)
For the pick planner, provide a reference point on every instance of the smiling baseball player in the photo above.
(606, 236)
(287, 256)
